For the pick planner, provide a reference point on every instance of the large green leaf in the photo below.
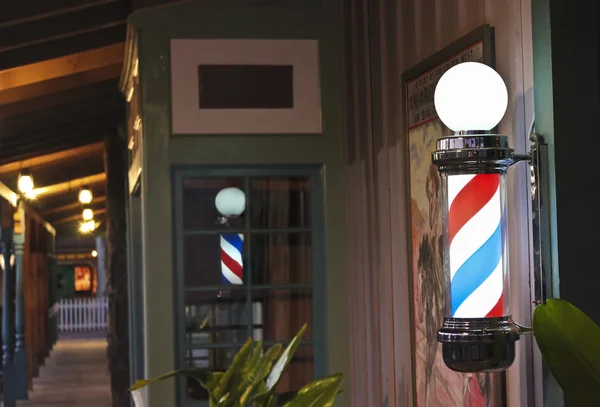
(201, 375)
(320, 393)
(234, 369)
(258, 373)
(284, 360)
(570, 344)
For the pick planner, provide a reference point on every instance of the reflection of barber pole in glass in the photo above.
(232, 265)
(476, 252)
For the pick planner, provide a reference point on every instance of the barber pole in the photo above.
(475, 238)
(232, 265)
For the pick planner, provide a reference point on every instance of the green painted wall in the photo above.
(64, 281)
(566, 51)
(234, 19)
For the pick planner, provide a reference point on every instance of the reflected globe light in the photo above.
(88, 214)
(85, 196)
(230, 202)
(87, 227)
(471, 97)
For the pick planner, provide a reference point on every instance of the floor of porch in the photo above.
(76, 374)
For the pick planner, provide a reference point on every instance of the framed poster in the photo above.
(245, 86)
(436, 385)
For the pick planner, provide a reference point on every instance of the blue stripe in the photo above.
(234, 239)
(476, 269)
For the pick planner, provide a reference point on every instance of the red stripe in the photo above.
(231, 264)
(498, 310)
(474, 196)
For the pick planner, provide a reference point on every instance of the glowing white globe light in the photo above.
(85, 196)
(25, 182)
(471, 96)
(231, 202)
(88, 214)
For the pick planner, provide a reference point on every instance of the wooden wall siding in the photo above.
(383, 39)
(35, 268)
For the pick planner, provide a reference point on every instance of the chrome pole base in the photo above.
(473, 345)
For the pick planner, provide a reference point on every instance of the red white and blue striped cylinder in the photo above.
(232, 265)
(477, 260)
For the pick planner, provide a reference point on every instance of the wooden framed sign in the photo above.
(245, 86)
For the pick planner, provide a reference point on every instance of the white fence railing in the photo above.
(83, 314)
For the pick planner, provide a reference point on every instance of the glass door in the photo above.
(257, 275)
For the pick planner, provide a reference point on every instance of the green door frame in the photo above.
(317, 201)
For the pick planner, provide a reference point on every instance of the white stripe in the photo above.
(231, 250)
(455, 184)
(485, 297)
(230, 275)
(475, 233)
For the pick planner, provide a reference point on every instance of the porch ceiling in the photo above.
(60, 62)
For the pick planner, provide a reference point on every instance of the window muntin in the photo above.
(279, 268)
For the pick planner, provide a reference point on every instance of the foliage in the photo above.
(252, 378)
(570, 344)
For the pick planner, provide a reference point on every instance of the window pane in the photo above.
(281, 258)
(214, 259)
(213, 360)
(199, 210)
(279, 314)
(216, 317)
(279, 203)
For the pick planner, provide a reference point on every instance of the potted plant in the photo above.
(570, 345)
(252, 378)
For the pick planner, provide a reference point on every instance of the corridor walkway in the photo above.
(76, 374)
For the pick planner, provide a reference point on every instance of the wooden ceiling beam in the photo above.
(65, 187)
(68, 198)
(73, 206)
(53, 159)
(61, 67)
(63, 45)
(83, 94)
(25, 150)
(62, 116)
(38, 9)
(74, 256)
(93, 123)
(42, 28)
(73, 218)
(60, 84)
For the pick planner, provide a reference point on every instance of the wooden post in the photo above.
(53, 294)
(8, 308)
(20, 352)
(51, 287)
(115, 160)
(46, 317)
(41, 315)
(29, 301)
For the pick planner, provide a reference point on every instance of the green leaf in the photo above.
(234, 370)
(201, 375)
(205, 320)
(258, 373)
(570, 344)
(213, 382)
(284, 361)
(320, 393)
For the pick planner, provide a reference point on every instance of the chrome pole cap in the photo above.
(473, 152)
(478, 344)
